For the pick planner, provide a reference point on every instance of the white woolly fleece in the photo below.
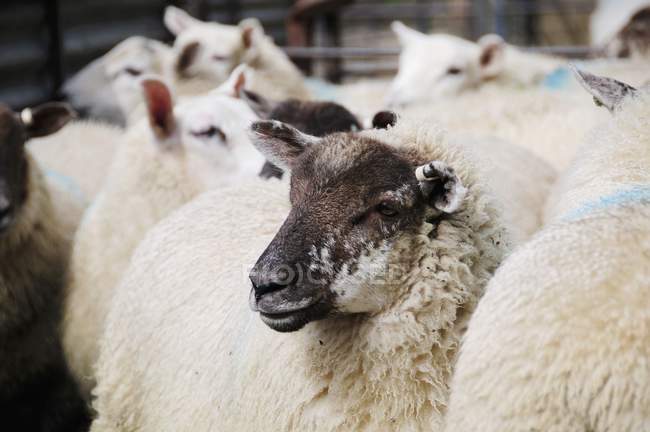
(616, 155)
(81, 151)
(561, 339)
(182, 352)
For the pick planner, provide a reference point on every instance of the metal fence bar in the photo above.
(349, 52)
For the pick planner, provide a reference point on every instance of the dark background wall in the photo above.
(44, 41)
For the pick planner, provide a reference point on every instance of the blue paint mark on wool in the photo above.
(635, 195)
(559, 79)
(67, 183)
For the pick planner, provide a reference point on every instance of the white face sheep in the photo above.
(394, 236)
(160, 165)
(36, 390)
(440, 65)
(207, 52)
(561, 340)
(107, 89)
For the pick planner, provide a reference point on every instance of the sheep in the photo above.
(107, 89)
(79, 153)
(459, 65)
(560, 340)
(401, 251)
(206, 53)
(160, 165)
(36, 390)
(317, 118)
(621, 28)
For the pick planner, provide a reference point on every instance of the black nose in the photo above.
(265, 282)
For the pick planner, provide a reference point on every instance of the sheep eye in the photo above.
(454, 70)
(219, 58)
(133, 71)
(387, 210)
(210, 132)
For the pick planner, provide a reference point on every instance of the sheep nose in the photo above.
(265, 281)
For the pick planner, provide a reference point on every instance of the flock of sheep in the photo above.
(464, 248)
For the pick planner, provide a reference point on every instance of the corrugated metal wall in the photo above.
(44, 41)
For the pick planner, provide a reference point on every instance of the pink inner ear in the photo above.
(247, 36)
(160, 107)
(240, 83)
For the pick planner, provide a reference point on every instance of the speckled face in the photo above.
(13, 166)
(352, 198)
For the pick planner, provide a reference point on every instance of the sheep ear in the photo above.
(280, 143)
(258, 103)
(384, 120)
(160, 108)
(250, 30)
(236, 82)
(492, 53)
(405, 34)
(440, 184)
(607, 92)
(177, 20)
(46, 119)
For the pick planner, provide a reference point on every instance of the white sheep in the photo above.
(160, 165)
(37, 392)
(108, 88)
(561, 339)
(206, 53)
(384, 258)
(441, 65)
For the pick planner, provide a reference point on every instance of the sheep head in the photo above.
(15, 130)
(207, 133)
(209, 50)
(352, 199)
(440, 65)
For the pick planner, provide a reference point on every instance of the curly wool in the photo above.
(200, 360)
(561, 339)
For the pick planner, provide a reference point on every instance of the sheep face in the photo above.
(353, 199)
(108, 87)
(208, 133)
(14, 131)
(438, 66)
(203, 50)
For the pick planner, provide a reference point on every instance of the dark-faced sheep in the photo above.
(36, 390)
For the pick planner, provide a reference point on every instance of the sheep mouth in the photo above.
(296, 319)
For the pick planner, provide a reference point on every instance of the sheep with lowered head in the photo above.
(389, 240)
(107, 89)
(160, 165)
(206, 52)
(441, 65)
(561, 340)
(37, 392)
